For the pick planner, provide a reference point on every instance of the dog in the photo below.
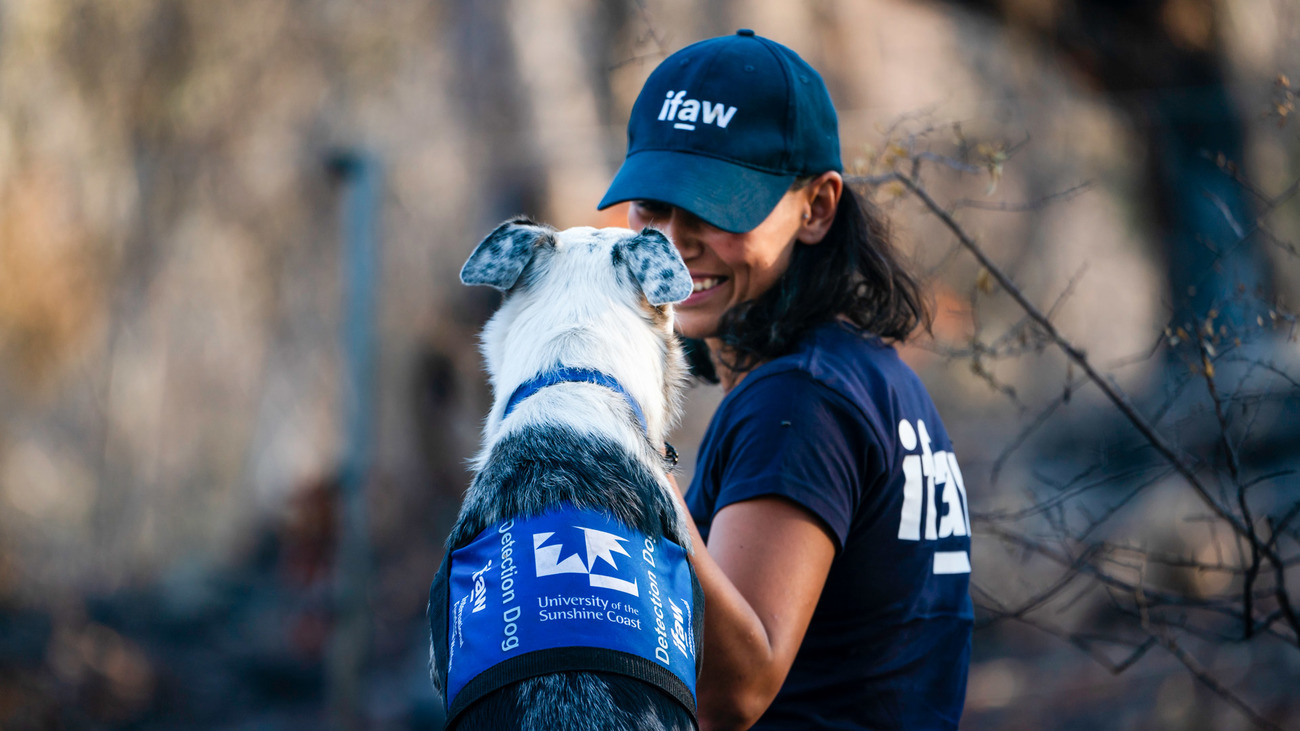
(587, 376)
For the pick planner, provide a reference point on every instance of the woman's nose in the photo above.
(677, 226)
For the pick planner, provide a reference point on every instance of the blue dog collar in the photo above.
(570, 589)
(572, 375)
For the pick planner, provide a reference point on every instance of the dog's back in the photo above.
(587, 302)
(542, 467)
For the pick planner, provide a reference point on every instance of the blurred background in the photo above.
(238, 376)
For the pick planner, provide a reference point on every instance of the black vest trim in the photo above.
(568, 659)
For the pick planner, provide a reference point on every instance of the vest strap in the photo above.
(566, 659)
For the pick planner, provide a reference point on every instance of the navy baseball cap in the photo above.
(723, 127)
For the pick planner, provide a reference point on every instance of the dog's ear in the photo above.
(500, 258)
(656, 265)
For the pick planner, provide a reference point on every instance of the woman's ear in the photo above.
(821, 200)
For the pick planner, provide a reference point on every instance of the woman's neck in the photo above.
(720, 356)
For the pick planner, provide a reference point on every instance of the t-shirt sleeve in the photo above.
(791, 436)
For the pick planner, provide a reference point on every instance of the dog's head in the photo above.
(584, 298)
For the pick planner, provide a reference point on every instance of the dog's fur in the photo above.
(580, 298)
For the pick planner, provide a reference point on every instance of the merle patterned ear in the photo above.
(655, 263)
(500, 258)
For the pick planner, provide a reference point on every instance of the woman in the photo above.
(832, 539)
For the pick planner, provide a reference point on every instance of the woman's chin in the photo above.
(695, 327)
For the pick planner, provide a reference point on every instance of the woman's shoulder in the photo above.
(840, 356)
(839, 362)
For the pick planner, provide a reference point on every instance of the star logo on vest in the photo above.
(600, 547)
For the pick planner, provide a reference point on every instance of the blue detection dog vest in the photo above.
(567, 590)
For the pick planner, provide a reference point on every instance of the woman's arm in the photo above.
(762, 575)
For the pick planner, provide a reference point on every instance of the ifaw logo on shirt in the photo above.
(684, 113)
(923, 474)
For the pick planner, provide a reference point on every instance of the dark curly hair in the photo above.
(855, 271)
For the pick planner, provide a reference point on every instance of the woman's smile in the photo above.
(704, 284)
(704, 288)
(726, 268)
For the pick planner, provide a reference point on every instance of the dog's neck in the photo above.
(557, 376)
(524, 339)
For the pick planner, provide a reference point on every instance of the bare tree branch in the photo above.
(1112, 392)
(1208, 680)
(1174, 595)
(1033, 205)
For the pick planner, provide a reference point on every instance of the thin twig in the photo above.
(1153, 597)
(1283, 597)
(1227, 214)
(1234, 470)
(1066, 578)
(1028, 431)
(1069, 290)
(1209, 681)
(1033, 205)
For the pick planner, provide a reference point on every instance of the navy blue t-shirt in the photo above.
(845, 429)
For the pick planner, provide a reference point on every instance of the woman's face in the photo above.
(726, 268)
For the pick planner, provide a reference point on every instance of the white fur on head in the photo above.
(583, 298)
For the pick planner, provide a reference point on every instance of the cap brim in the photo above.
(732, 197)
